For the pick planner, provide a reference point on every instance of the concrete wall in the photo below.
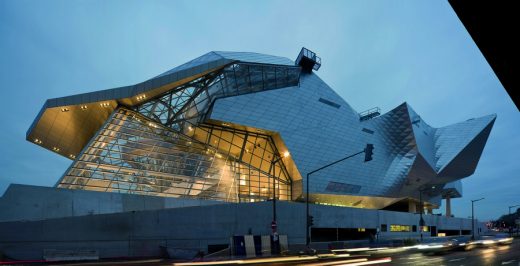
(141, 233)
(25, 202)
(336, 217)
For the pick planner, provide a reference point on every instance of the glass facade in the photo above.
(132, 154)
(187, 105)
(164, 147)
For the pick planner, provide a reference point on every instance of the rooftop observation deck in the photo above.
(308, 60)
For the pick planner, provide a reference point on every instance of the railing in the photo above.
(307, 58)
(369, 114)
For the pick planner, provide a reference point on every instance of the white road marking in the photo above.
(458, 259)
(507, 262)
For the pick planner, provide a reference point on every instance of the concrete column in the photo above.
(412, 207)
(448, 206)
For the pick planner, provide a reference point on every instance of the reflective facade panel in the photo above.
(319, 127)
(242, 127)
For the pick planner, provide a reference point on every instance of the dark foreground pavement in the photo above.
(493, 255)
(490, 255)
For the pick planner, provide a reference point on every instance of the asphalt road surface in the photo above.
(491, 255)
(495, 255)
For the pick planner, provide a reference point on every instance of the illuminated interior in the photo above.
(165, 147)
(133, 155)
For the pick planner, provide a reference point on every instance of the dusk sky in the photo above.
(374, 53)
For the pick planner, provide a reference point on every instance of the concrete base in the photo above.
(31, 203)
(146, 233)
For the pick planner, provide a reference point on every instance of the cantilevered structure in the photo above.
(214, 128)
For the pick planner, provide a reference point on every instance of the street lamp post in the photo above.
(510, 226)
(276, 158)
(421, 210)
(368, 157)
(473, 218)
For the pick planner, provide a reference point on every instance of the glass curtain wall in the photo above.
(132, 154)
(164, 148)
(187, 105)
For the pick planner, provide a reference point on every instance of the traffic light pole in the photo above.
(421, 210)
(473, 218)
(368, 157)
(472, 222)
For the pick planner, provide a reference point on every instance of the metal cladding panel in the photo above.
(465, 163)
(398, 139)
(450, 140)
(319, 127)
(453, 189)
(201, 60)
(232, 56)
(423, 136)
(314, 132)
(255, 58)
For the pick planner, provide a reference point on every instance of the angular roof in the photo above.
(452, 139)
(430, 156)
(232, 56)
(64, 125)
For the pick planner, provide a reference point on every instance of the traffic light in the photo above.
(310, 220)
(368, 152)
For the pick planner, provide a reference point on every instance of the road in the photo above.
(492, 255)
(496, 255)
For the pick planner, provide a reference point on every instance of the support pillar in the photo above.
(448, 206)
(412, 207)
